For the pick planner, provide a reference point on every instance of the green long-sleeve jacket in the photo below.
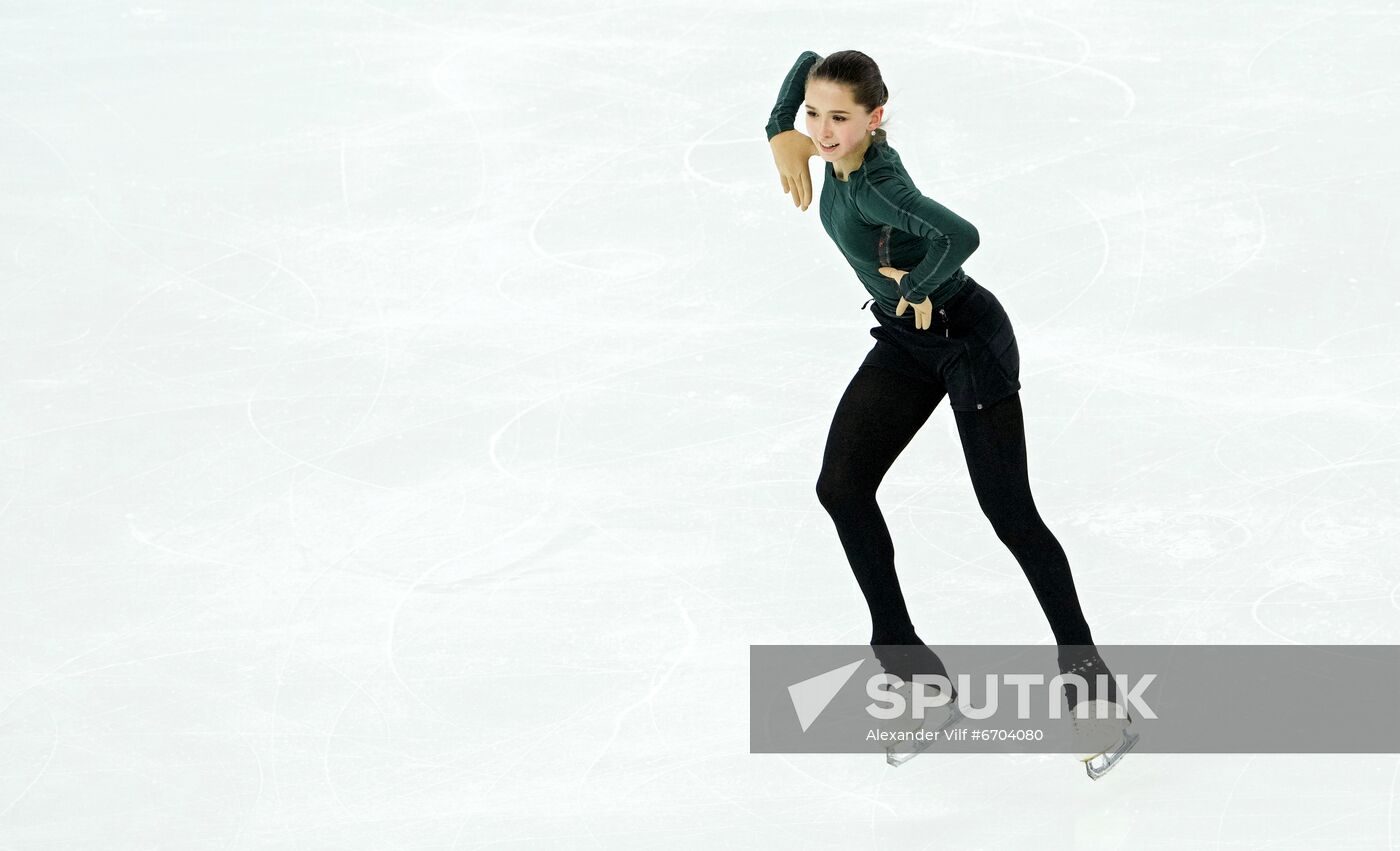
(877, 217)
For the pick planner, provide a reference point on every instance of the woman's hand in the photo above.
(791, 150)
(923, 311)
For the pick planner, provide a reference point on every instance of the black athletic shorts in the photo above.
(969, 350)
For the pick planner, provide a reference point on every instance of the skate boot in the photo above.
(936, 721)
(1101, 735)
(1101, 724)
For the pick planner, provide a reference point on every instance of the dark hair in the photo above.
(861, 75)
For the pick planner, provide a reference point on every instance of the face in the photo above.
(832, 117)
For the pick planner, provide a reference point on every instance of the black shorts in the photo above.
(969, 351)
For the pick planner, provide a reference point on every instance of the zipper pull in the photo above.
(944, 314)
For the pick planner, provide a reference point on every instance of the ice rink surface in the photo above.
(412, 412)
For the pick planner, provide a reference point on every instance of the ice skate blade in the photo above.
(1100, 764)
(896, 757)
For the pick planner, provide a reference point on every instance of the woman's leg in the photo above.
(994, 444)
(876, 418)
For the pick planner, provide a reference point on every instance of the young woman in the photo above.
(938, 333)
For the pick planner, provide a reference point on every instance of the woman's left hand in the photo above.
(923, 311)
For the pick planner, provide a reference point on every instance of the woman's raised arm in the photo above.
(791, 149)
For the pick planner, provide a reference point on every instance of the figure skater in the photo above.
(939, 333)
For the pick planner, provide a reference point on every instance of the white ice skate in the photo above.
(1101, 737)
(937, 719)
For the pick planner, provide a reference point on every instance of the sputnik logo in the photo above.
(811, 696)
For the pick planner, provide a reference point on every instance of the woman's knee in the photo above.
(1018, 526)
(836, 489)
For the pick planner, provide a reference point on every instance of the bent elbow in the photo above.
(973, 239)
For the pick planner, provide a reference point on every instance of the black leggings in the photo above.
(876, 418)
